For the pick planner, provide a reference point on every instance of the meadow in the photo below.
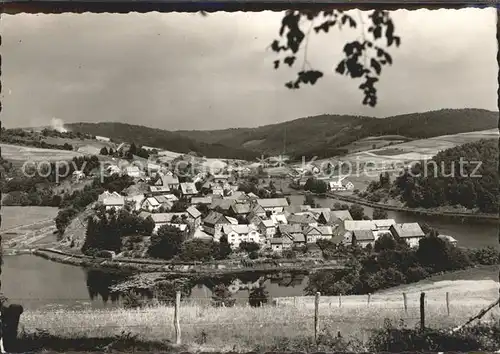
(24, 153)
(243, 328)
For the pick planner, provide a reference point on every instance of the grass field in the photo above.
(243, 328)
(24, 153)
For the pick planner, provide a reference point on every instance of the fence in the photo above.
(187, 320)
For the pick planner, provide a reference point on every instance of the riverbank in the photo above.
(493, 218)
(185, 268)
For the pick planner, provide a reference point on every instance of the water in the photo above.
(470, 235)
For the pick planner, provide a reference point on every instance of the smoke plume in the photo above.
(58, 125)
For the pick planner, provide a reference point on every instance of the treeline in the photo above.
(74, 203)
(392, 262)
(442, 181)
(25, 138)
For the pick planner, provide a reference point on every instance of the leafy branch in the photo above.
(363, 58)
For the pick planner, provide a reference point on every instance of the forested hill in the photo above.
(163, 139)
(444, 184)
(326, 134)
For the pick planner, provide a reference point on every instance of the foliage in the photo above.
(485, 256)
(379, 214)
(363, 59)
(258, 296)
(224, 248)
(198, 250)
(249, 247)
(222, 297)
(442, 181)
(166, 243)
(338, 206)
(316, 185)
(357, 212)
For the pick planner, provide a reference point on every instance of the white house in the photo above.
(114, 202)
(278, 244)
(315, 233)
(340, 184)
(107, 194)
(279, 219)
(102, 138)
(241, 233)
(150, 204)
(159, 190)
(173, 219)
(133, 171)
(267, 228)
(78, 175)
(274, 205)
(168, 180)
(188, 189)
(410, 232)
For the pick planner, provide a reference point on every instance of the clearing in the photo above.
(25, 153)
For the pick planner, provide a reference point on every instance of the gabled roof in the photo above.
(201, 200)
(280, 240)
(252, 195)
(113, 200)
(239, 229)
(257, 209)
(300, 219)
(323, 230)
(153, 201)
(195, 213)
(279, 219)
(233, 221)
(188, 188)
(351, 225)
(272, 202)
(241, 208)
(159, 189)
(224, 204)
(267, 223)
(341, 214)
(144, 214)
(162, 199)
(363, 235)
(408, 230)
(168, 179)
(215, 218)
(384, 222)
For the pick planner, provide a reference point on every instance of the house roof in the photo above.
(195, 213)
(323, 230)
(162, 199)
(165, 217)
(289, 229)
(363, 235)
(412, 229)
(268, 223)
(188, 188)
(384, 222)
(298, 237)
(258, 209)
(224, 204)
(169, 179)
(144, 214)
(113, 200)
(153, 201)
(241, 208)
(300, 219)
(272, 202)
(341, 214)
(279, 219)
(201, 200)
(252, 195)
(156, 189)
(233, 221)
(215, 218)
(351, 225)
(280, 240)
(239, 229)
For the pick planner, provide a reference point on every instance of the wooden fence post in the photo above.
(176, 318)
(369, 296)
(448, 303)
(340, 300)
(316, 319)
(405, 303)
(294, 301)
(422, 311)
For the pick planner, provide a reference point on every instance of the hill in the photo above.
(163, 139)
(327, 135)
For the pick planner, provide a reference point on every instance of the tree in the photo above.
(357, 212)
(166, 243)
(363, 58)
(249, 246)
(258, 297)
(379, 214)
(197, 250)
(103, 151)
(222, 297)
(385, 242)
(224, 248)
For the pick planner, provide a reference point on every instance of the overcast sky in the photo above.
(185, 71)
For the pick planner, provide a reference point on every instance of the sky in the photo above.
(185, 71)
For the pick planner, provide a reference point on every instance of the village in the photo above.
(209, 203)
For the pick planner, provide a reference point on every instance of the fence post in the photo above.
(369, 296)
(176, 318)
(448, 303)
(316, 319)
(340, 300)
(294, 301)
(405, 302)
(422, 311)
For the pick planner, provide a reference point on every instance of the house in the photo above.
(200, 234)
(236, 234)
(273, 205)
(449, 239)
(231, 220)
(113, 169)
(159, 190)
(315, 233)
(340, 184)
(302, 219)
(188, 189)
(253, 218)
(153, 168)
(361, 238)
(194, 216)
(258, 210)
(164, 201)
(150, 204)
(168, 180)
(107, 194)
(222, 178)
(212, 220)
(334, 217)
(77, 176)
(223, 204)
(278, 244)
(252, 196)
(279, 219)
(173, 219)
(136, 201)
(410, 232)
(201, 200)
(102, 138)
(133, 171)
(114, 202)
(293, 232)
(267, 228)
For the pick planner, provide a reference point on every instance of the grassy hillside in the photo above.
(163, 139)
(323, 135)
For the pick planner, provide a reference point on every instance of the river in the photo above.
(37, 283)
